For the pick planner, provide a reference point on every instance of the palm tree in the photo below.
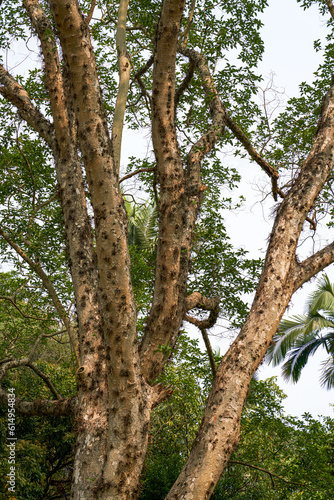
(142, 225)
(299, 337)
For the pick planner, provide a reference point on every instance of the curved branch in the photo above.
(46, 380)
(128, 176)
(196, 299)
(305, 270)
(49, 287)
(3, 297)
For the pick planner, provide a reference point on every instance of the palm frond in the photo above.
(327, 376)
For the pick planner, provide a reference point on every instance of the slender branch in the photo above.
(218, 110)
(184, 35)
(3, 297)
(185, 84)
(330, 7)
(49, 287)
(271, 474)
(137, 77)
(91, 11)
(46, 380)
(209, 351)
(124, 80)
(128, 176)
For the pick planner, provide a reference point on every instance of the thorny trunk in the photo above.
(115, 399)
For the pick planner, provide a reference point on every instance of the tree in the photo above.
(299, 337)
(62, 131)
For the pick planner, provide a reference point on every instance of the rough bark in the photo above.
(219, 431)
(112, 409)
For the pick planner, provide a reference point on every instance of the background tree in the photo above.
(299, 337)
(185, 69)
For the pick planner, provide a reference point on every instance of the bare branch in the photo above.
(91, 11)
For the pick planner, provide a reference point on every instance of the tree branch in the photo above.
(220, 116)
(330, 7)
(49, 287)
(46, 380)
(124, 79)
(19, 97)
(271, 474)
(41, 407)
(91, 11)
(209, 351)
(184, 35)
(185, 84)
(305, 270)
(3, 297)
(128, 176)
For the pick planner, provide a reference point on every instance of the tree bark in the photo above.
(282, 275)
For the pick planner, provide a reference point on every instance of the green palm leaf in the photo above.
(299, 337)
